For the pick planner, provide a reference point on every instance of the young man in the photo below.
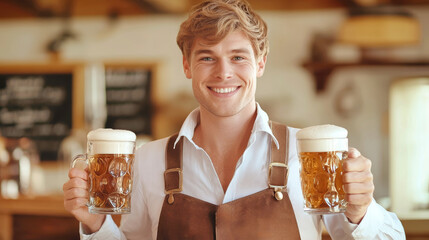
(224, 149)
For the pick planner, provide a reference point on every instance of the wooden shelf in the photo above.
(323, 70)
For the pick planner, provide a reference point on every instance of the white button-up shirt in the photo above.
(251, 175)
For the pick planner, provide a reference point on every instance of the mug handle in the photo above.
(79, 158)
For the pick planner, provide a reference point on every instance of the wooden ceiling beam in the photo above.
(10, 10)
(274, 5)
(289, 5)
(30, 9)
(169, 6)
(105, 8)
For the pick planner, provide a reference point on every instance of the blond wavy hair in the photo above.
(212, 20)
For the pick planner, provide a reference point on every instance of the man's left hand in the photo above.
(358, 185)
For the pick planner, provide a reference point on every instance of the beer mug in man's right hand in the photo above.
(110, 157)
(321, 151)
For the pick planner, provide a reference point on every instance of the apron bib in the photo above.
(265, 215)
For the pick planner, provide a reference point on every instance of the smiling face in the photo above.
(224, 75)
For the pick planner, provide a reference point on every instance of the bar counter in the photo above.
(31, 218)
(44, 217)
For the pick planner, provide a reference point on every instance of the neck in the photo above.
(225, 134)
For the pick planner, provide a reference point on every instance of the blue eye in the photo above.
(207, 59)
(237, 58)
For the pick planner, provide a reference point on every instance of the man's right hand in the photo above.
(76, 197)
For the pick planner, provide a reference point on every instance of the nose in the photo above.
(223, 69)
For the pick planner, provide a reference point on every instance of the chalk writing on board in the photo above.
(128, 99)
(37, 106)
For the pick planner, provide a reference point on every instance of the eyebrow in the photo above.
(207, 51)
(202, 51)
(241, 50)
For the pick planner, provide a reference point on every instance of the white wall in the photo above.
(286, 91)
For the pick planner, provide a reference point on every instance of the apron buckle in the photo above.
(276, 186)
(178, 189)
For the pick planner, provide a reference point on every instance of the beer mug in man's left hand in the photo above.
(321, 151)
(110, 157)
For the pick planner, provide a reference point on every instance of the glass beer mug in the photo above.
(321, 151)
(110, 158)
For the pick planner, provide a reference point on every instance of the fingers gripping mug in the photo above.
(321, 151)
(109, 157)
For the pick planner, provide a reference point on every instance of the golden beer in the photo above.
(110, 158)
(110, 182)
(321, 150)
(321, 180)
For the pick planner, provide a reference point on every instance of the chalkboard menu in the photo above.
(128, 96)
(37, 106)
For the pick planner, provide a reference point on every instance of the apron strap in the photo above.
(278, 168)
(173, 176)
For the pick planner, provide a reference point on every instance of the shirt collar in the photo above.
(261, 125)
(189, 126)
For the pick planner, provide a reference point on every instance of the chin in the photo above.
(227, 112)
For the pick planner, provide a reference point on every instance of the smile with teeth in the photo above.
(224, 90)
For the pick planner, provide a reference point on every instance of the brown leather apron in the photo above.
(266, 215)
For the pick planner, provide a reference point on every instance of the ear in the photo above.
(186, 68)
(261, 66)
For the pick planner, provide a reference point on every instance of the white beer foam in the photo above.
(322, 131)
(322, 138)
(322, 145)
(109, 134)
(111, 141)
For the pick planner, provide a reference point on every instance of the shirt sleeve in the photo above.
(376, 224)
(108, 231)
